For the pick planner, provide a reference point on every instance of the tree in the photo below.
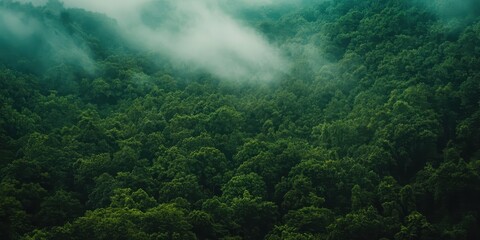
(251, 182)
(362, 224)
(288, 233)
(182, 186)
(167, 221)
(125, 198)
(417, 227)
(210, 165)
(310, 219)
(254, 216)
(202, 224)
(56, 210)
(13, 218)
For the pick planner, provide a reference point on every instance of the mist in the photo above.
(454, 8)
(198, 33)
(40, 40)
(453, 14)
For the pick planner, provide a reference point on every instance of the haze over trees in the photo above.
(211, 119)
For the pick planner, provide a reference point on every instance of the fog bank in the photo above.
(199, 33)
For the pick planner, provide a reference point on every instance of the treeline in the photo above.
(378, 138)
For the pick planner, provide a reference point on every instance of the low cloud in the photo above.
(39, 42)
(196, 32)
(453, 9)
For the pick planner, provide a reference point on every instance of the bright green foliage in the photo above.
(251, 182)
(125, 198)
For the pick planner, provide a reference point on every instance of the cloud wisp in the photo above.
(34, 38)
(198, 33)
(448, 10)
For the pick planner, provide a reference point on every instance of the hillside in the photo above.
(216, 119)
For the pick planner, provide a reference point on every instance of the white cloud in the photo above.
(13, 25)
(196, 32)
(31, 37)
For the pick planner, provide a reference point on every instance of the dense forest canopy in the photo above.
(222, 119)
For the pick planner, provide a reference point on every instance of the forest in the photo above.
(222, 119)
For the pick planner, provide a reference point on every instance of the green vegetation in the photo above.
(372, 133)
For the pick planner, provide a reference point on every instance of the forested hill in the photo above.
(333, 119)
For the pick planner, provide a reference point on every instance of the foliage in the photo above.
(373, 133)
